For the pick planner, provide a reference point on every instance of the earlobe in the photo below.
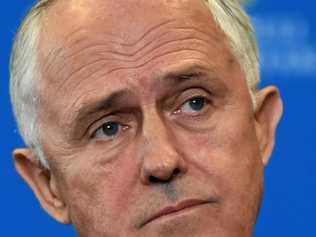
(42, 183)
(269, 109)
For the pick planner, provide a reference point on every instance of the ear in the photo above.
(269, 109)
(43, 184)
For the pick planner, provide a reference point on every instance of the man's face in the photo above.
(146, 121)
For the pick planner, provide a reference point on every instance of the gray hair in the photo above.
(24, 71)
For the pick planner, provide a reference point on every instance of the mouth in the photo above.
(178, 208)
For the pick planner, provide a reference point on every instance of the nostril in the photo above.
(156, 179)
(153, 179)
(176, 172)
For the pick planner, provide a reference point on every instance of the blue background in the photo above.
(286, 32)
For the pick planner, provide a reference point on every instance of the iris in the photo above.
(110, 129)
(197, 103)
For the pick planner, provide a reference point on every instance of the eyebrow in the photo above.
(108, 102)
(189, 73)
(168, 79)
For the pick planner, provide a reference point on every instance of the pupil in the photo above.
(197, 103)
(110, 129)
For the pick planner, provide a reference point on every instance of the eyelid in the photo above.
(192, 93)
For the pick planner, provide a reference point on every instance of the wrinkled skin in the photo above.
(140, 65)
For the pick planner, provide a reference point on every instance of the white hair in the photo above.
(25, 73)
(24, 76)
(236, 25)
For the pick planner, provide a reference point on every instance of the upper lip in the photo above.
(178, 207)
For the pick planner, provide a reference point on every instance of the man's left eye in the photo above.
(193, 105)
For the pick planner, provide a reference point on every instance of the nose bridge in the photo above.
(156, 134)
(161, 159)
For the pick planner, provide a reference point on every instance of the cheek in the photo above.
(98, 188)
(229, 156)
(229, 145)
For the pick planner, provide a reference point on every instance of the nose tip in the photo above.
(163, 170)
(166, 178)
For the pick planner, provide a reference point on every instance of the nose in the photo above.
(162, 160)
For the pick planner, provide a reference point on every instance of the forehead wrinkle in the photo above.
(126, 59)
(79, 35)
(102, 42)
(57, 48)
(141, 65)
(196, 60)
(133, 61)
(126, 51)
(102, 61)
(81, 31)
(213, 35)
(148, 32)
(169, 42)
(155, 49)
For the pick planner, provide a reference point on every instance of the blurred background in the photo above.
(287, 38)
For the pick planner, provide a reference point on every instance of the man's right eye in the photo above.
(108, 131)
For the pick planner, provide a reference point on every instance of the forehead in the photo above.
(123, 30)
(125, 21)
